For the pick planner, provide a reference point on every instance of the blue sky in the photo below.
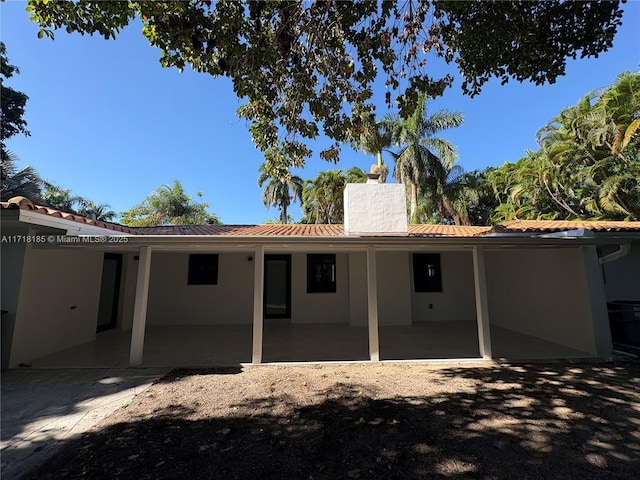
(108, 122)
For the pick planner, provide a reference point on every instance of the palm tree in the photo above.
(169, 205)
(322, 197)
(448, 200)
(422, 155)
(100, 211)
(61, 199)
(372, 138)
(592, 151)
(355, 175)
(18, 183)
(281, 188)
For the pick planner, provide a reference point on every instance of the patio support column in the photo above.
(258, 292)
(140, 307)
(598, 304)
(372, 301)
(482, 305)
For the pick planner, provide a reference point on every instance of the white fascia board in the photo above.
(69, 226)
(580, 232)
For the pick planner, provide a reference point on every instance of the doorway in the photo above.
(109, 292)
(277, 286)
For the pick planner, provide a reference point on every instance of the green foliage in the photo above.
(424, 162)
(169, 205)
(373, 138)
(97, 211)
(303, 67)
(280, 186)
(18, 183)
(62, 199)
(12, 105)
(323, 197)
(588, 165)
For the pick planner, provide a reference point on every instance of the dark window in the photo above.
(321, 273)
(203, 269)
(427, 275)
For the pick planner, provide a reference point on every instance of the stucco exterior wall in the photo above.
(319, 307)
(457, 299)
(622, 276)
(375, 208)
(12, 259)
(127, 300)
(394, 283)
(58, 304)
(543, 293)
(358, 289)
(173, 302)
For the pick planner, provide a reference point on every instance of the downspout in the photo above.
(621, 252)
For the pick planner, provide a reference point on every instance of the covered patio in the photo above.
(226, 345)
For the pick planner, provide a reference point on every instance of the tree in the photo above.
(423, 160)
(100, 211)
(24, 182)
(18, 183)
(372, 137)
(447, 197)
(281, 187)
(323, 197)
(62, 199)
(169, 205)
(12, 102)
(303, 66)
(588, 164)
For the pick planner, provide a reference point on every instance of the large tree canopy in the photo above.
(312, 65)
(13, 103)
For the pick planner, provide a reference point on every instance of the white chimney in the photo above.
(375, 209)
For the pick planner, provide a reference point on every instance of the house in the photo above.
(80, 292)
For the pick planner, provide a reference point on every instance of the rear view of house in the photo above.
(78, 292)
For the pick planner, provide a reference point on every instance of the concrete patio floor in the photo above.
(41, 409)
(284, 342)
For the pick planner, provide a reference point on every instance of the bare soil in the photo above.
(370, 421)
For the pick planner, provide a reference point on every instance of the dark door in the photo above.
(109, 291)
(277, 286)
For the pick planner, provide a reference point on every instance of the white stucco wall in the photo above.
(127, 300)
(358, 289)
(11, 270)
(622, 276)
(173, 302)
(457, 299)
(53, 282)
(375, 208)
(319, 307)
(394, 283)
(543, 293)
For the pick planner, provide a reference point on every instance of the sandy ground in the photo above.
(370, 421)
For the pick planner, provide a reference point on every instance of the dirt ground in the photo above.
(370, 421)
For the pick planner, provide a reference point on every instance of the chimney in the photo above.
(375, 209)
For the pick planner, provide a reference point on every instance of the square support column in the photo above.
(258, 314)
(140, 307)
(372, 303)
(598, 299)
(482, 305)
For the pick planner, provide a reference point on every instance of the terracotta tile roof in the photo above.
(23, 203)
(298, 230)
(446, 231)
(563, 225)
(294, 230)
